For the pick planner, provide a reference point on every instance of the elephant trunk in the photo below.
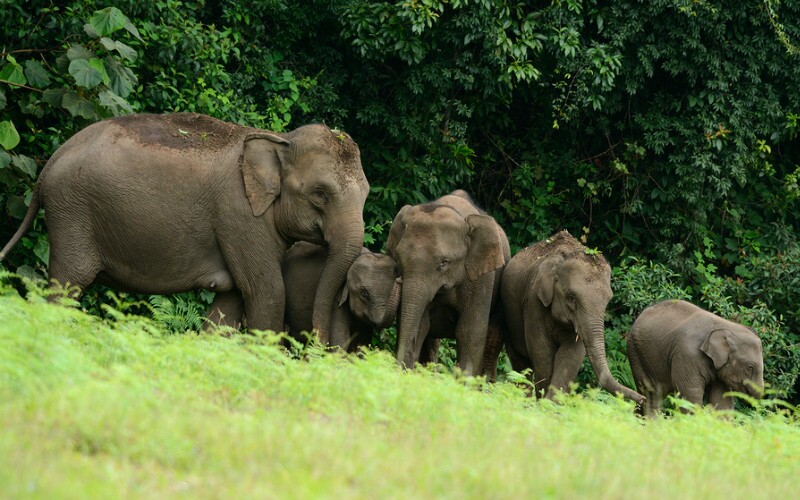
(415, 300)
(755, 388)
(391, 306)
(345, 240)
(594, 340)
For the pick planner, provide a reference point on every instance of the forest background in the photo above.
(662, 133)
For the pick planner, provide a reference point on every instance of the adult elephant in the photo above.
(168, 203)
(555, 295)
(450, 255)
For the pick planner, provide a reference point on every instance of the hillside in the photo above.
(96, 408)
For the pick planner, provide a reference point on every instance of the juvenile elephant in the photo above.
(675, 346)
(167, 203)
(450, 255)
(367, 300)
(555, 295)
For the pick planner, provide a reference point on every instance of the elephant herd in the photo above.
(272, 223)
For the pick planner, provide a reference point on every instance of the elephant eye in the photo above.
(749, 371)
(443, 264)
(319, 196)
(364, 293)
(571, 300)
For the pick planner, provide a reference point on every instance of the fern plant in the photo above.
(178, 313)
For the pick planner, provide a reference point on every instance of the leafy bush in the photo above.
(48, 92)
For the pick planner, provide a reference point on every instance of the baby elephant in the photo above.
(367, 301)
(675, 346)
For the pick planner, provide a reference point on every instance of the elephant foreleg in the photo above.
(471, 339)
(227, 309)
(690, 390)
(541, 352)
(566, 364)
(716, 398)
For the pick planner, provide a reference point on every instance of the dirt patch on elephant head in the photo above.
(348, 157)
(563, 243)
(180, 131)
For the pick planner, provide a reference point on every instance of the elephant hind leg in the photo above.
(227, 309)
(494, 344)
(72, 270)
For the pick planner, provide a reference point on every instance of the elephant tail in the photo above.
(30, 215)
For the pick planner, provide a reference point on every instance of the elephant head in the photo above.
(738, 358)
(313, 180)
(576, 286)
(439, 249)
(372, 290)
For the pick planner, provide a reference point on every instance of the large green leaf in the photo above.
(9, 137)
(108, 21)
(25, 165)
(78, 52)
(37, 75)
(126, 52)
(5, 160)
(78, 106)
(122, 78)
(54, 97)
(16, 207)
(100, 67)
(13, 72)
(42, 250)
(114, 103)
(90, 31)
(86, 75)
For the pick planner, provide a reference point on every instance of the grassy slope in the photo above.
(94, 409)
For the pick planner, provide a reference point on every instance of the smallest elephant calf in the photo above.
(367, 301)
(675, 346)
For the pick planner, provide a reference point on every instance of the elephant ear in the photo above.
(485, 252)
(396, 232)
(545, 280)
(261, 169)
(717, 347)
(343, 295)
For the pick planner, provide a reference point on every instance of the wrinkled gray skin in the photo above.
(450, 256)
(367, 301)
(677, 347)
(555, 297)
(167, 203)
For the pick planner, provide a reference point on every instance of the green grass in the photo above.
(100, 409)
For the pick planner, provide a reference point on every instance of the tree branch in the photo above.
(23, 86)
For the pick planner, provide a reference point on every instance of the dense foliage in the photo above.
(665, 133)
